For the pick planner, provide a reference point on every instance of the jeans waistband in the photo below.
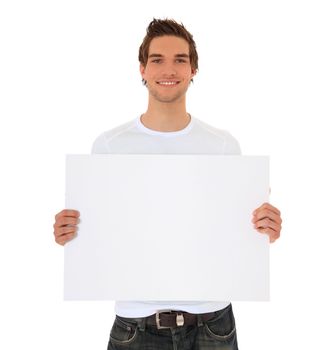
(142, 322)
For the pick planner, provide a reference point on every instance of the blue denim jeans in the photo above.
(134, 334)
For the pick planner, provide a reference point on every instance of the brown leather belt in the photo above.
(172, 318)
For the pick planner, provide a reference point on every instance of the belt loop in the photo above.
(199, 320)
(142, 324)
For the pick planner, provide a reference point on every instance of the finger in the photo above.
(65, 238)
(60, 231)
(270, 207)
(273, 235)
(267, 213)
(265, 223)
(68, 212)
(62, 221)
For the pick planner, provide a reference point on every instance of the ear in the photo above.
(193, 72)
(142, 70)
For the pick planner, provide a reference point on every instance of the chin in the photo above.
(168, 99)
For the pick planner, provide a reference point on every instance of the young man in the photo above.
(168, 63)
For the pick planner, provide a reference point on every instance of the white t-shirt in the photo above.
(196, 138)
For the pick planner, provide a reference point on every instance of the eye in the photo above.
(181, 60)
(156, 60)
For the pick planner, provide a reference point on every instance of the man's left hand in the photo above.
(267, 219)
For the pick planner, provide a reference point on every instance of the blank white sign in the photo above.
(166, 227)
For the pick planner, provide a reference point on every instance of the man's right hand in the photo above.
(65, 226)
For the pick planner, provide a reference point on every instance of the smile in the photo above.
(167, 83)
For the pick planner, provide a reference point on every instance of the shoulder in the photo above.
(101, 143)
(230, 143)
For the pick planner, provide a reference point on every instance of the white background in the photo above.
(69, 70)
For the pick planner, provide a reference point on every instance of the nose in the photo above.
(169, 70)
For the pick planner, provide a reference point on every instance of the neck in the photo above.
(166, 117)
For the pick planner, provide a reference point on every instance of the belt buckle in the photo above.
(179, 319)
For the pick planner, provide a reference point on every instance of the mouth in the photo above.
(168, 82)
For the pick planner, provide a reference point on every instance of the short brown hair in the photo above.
(161, 27)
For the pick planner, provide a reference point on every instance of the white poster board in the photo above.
(166, 227)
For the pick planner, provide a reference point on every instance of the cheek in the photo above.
(187, 72)
(150, 75)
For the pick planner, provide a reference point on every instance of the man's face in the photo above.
(168, 71)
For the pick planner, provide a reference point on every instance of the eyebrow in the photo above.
(177, 55)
